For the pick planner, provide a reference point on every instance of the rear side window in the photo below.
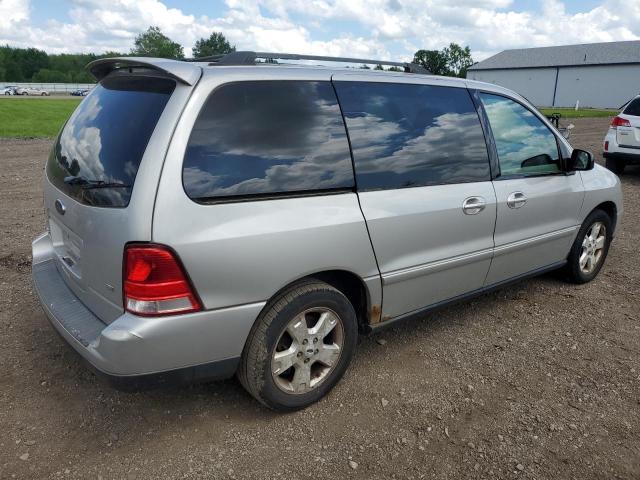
(96, 157)
(267, 138)
(412, 135)
(633, 108)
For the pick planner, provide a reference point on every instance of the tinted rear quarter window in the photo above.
(96, 157)
(633, 108)
(405, 135)
(267, 138)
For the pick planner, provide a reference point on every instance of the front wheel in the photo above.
(300, 346)
(590, 248)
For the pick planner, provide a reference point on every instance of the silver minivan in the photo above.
(229, 216)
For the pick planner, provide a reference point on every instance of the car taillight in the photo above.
(620, 122)
(606, 146)
(155, 282)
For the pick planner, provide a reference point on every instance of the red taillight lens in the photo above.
(606, 146)
(620, 122)
(155, 282)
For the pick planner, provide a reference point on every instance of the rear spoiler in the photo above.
(184, 72)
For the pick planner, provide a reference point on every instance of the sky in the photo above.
(382, 29)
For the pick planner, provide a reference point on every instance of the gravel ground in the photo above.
(539, 380)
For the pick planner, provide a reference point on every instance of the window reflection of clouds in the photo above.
(105, 138)
(81, 141)
(408, 135)
(268, 137)
(519, 135)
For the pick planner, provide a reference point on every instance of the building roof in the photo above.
(564, 56)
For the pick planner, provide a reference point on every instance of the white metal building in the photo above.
(601, 75)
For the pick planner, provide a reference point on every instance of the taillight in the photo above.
(620, 122)
(155, 282)
(606, 146)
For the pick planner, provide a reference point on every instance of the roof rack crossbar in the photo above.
(249, 58)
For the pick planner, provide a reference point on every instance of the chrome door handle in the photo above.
(516, 200)
(473, 205)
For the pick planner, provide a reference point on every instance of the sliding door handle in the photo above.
(473, 205)
(516, 200)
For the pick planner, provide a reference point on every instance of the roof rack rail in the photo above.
(249, 58)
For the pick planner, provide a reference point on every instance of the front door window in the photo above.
(525, 144)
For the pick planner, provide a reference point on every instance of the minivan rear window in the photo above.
(96, 156)
(633, 108)
(267, 138)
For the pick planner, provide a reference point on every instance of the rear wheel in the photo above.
(615, 165)
(300, 347)
(590, 248)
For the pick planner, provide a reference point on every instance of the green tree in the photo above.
(111, 54)
(452, 61)
(153, 43)
(458, 59)
(379, 67)
(216, 44)
(13, 71)
(433, 60)
(32, 60)
(46, 75)
(3, 63)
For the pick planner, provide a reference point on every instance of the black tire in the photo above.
(615, 165)
(574, 273)
(255, 367)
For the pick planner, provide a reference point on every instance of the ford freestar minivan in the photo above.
(226, 217)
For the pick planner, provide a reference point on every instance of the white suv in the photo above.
(622, 142)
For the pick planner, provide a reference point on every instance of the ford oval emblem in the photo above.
(60, 207)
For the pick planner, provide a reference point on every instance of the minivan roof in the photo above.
(189, 72)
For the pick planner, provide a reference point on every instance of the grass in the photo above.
(33, 118)
(581, 113)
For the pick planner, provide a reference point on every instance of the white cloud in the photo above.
(381, 28)
(13, 12)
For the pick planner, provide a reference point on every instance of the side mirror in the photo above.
(580, 160)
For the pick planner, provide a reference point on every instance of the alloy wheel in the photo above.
(307, 351)
(593, 248)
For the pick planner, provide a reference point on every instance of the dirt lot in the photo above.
(540, 380)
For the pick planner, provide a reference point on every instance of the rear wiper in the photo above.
(90, 184)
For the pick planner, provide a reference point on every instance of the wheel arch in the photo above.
(351, 286)
(610, 209)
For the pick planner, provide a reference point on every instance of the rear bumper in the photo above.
(629, 158)
(143, 350)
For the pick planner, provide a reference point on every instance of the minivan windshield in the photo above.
(96, 157)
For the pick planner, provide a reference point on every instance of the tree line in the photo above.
(33, 65)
